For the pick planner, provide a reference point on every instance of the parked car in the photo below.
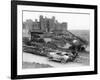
(63, 57)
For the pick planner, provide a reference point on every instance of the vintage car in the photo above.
(63, 57)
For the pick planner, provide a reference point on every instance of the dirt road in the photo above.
(27, 57)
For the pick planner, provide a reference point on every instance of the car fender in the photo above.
(66, 57)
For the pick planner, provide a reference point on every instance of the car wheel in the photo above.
(63, 61)
(50, 58)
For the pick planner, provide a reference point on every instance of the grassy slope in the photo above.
(84, 34)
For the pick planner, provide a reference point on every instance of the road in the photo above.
(27, 57)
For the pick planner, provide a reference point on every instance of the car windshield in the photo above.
(58, 53)
(66, 54)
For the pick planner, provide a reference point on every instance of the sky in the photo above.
(75, 21)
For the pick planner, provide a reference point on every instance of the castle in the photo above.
(45, 24)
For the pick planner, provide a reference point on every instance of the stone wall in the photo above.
(45, 24)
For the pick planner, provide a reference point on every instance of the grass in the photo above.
(84, 58)
(84, 34)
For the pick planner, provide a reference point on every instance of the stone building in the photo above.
(35, 25)
(45, 24)
(51, 24)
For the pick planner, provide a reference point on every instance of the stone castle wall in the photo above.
(46, 24)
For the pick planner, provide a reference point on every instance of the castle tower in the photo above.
(42, 23)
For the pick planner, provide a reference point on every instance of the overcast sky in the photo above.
(74, 20)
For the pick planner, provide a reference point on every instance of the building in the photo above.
(45, 24)
(51, 24)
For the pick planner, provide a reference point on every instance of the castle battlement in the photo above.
(46, 24)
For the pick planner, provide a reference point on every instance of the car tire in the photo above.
(63, 61)
(50, 58)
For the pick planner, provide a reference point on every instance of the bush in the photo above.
(26, 41)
